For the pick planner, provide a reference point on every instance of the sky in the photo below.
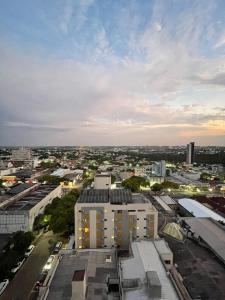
(112, 72)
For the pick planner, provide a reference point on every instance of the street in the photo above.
(21, 285)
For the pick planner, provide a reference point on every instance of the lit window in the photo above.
(112, 237)
(113, 220)
(105, 210)
(80, 238)
(86, 229)
(137, 227)
(80, 247)
(80, 229)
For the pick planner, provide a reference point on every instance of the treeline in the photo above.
(14, 252)
(59, 215)
(203, 158)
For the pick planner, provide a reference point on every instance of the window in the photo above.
(105, 219)
(138, 219)
(105, 228)
(131, 210)
(141, 209)
(145, 227)
(145, 219)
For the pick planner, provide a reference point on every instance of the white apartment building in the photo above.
(113, 218)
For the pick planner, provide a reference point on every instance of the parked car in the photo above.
(29, 250)
(18, 266)
(3, 285)
(57, 247)
(48, 264)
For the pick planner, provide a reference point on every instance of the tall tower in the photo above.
(190, 153)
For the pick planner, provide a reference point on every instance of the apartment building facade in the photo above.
(113, 218)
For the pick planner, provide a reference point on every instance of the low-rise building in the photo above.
(20, 214)
(112, 218)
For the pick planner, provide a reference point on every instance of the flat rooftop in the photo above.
(203, 274)
(146, 258)
(31, 199)
(96, 267)
(211, 232)
(120, 196)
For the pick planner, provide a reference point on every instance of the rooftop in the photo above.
(211, 232)
(30, 200)
(97, 268)
(146, 258)
(120, 196)
(199, 210)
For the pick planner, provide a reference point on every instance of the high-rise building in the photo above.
(190, 153)
(159, 168)
(112, 218)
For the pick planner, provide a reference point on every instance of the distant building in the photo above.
(102, 182)
(159, 168)
(21, 154)
(190, 153)
(112, 218)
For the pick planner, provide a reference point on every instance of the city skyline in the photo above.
(112, 73)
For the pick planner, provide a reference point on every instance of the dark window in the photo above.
(131, 210)
(145, 236)
(105, 237)
(141, 209)
(145, 227)
(137, 236)
(138, 219)
(105, 228)
(105, 219)
(80, 210)
(145, 219)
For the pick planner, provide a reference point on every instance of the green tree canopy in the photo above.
(134, 183)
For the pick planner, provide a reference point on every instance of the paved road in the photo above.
(20, 287)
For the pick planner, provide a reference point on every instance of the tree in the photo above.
(51, 179)
(156, 187)
(134, 183)
(205, 176)
(60, 213)
(113, 179)
(170, 185)
(22, 240)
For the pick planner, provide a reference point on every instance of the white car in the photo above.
(3, 285)
(18, 266)
(48, 264)
(29, 250)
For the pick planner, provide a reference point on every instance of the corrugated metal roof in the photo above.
(199, 210)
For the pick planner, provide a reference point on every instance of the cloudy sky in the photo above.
(119, 72)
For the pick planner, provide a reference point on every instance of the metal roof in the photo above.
(211, 232)
(199, 210)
